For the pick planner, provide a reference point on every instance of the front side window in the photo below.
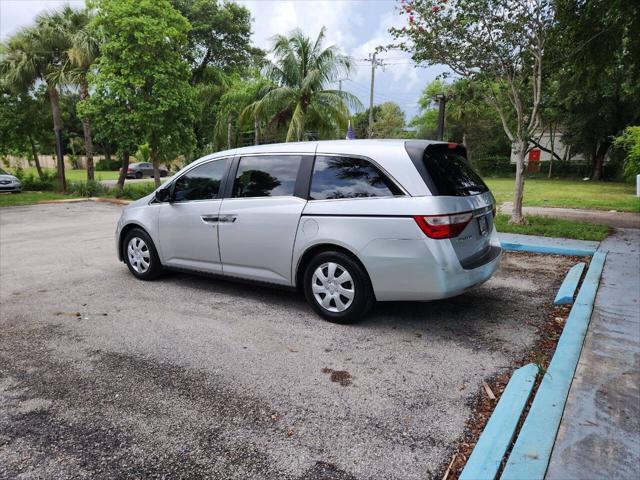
(344, 177)
(266, 176)
(200, 183)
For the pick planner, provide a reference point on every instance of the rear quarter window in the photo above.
(347, 177)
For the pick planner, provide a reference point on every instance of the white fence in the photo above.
(49, 161)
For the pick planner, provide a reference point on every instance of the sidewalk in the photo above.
(599, 435)
(538, 241)
(603, 217)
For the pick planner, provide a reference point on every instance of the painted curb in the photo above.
(531, 453)
(497, 435)
(115, 201)
(569, 285)
(520, 247)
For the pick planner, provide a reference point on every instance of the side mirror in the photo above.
(163, 195)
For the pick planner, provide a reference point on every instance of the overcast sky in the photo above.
(356, 26)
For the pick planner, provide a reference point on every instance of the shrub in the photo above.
(105, 165)
(494, 166)
(135, 191)
(89, 188)
(33, 182)
(629, 141)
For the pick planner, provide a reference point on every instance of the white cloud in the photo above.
(15, 14)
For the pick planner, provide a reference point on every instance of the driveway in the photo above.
(104, 376)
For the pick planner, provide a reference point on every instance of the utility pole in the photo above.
(374, 63)
(442, 104)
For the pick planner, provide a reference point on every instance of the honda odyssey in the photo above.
(348, 222)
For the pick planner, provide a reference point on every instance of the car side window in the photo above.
(266, 176)
(200, 183)
(346, 177)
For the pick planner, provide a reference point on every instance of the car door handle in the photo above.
(210, 219)
(227, 218)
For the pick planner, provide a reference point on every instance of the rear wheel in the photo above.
(337, 287)
(138, 175)
(141, 256)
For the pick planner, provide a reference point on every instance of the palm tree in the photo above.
(82, 53)
(301, 72)
(37, 54)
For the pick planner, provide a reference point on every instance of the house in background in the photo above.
(549, 141)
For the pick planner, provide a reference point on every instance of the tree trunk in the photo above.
(36, 159)
(123, 170)
(521, 153)
(466, 147)
(256, 132)
(598, 160)
(86, 128)
(229, 134)
(156, 164)
(107, 152)
(57, 128)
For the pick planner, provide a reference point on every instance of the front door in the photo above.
(188, 225)
(258, 223)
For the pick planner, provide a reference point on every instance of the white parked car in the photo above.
(9, 183)
(348, 222)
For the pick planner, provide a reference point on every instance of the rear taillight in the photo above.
(443, 226)
(130, 170)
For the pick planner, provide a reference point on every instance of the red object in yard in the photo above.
(534, 155)
(534, 161)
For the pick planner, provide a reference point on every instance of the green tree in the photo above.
(39, 54)
(142, 91)
(82, 53)
(595, 71)
(497, 42)
(220, 37)
(301, 71)
(389, 122)
(24, 128)
(234, 116)
(629, 142)
(469, 120)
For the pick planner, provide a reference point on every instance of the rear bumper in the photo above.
(427, 270)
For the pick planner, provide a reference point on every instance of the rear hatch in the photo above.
(447, 173)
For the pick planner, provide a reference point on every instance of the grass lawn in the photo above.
(554, 227)
(569, 193)
(28, 198)
(76, 175)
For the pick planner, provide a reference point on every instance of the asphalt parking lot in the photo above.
(104, 376)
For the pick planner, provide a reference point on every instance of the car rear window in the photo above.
(445, 169)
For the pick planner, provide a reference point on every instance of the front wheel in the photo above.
(337, 287)
(141, 256)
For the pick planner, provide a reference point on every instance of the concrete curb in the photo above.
(115, 201)
(569, 285)
(498, 434)
(551, 250)
(531, 452)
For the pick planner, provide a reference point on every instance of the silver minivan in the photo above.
(348, 222)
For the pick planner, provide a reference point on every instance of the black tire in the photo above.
(154, 270)
(138, 175)
(363, 297)
(163, 173)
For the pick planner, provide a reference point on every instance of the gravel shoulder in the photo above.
(104, 376)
